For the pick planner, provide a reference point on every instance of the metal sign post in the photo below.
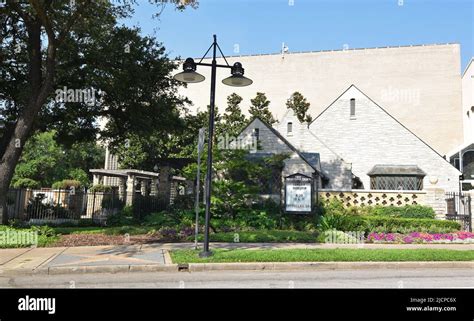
(198, 179)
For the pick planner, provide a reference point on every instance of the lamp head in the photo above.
(237, 79)
(189, 74)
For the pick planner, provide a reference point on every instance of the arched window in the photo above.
(468, 164)
(289, 128)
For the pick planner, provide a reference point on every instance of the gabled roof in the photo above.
(467, 67)
(311, 159)
(386, 112)
(396, 170)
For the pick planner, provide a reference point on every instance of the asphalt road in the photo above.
(390, 278)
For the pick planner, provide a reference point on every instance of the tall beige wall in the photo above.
(419, 85)
(468, 102)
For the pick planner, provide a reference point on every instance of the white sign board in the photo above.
(298, 194)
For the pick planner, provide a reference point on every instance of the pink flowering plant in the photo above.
(421, 237)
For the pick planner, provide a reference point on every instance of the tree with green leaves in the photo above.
(44, 161)
(259, 108)
(300, 106)
(49, 45)
(144, 152)
(233, 118)
(238, 181)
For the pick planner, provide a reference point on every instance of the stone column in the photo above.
(143, 184)
(96, 179)
(436, 198)
(154, 187)
(122, 188)
(164, 186)
(130, 189)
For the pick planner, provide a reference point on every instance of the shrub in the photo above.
(333, 207)
(398, 225)
(124, 217)
(160, 219)
(184, 202)
(78, 174)
(66, 184)
(26, 183)
(44, 230)
(261, 236)
(334, 222)
(407, 211)
(339, 237)
(257, 218)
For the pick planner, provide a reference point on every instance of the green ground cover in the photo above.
(263, 236)
(322, 255)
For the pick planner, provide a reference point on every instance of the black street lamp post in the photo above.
(237, 79)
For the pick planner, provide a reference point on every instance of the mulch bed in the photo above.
(103, 239)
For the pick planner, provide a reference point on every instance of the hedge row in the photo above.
(398, 225)
(407, 211)
(404, 225)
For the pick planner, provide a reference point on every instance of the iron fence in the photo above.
(458, 207)
(61, 206)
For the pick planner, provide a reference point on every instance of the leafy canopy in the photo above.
(260, 108)
(300, 106)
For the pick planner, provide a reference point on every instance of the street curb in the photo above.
(110, 269)
(246, 266)
(275, 266)
(167, 257)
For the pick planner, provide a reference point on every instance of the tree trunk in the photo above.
(39, 90)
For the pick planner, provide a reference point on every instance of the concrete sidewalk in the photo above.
(57, 259)
(148, 257)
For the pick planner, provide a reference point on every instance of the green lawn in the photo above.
(320, 255)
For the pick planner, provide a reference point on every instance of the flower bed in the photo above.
(418, 237)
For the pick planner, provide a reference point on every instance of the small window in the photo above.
(353, 107)
(468, 114)
(455, 163)
(397, 182)
(256, 133)
(289, 128)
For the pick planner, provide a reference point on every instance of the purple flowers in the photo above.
(420, 237)
(186, 231)
(168, 233)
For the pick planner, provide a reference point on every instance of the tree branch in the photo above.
(16, 7)
(41, 12)
(72, 20)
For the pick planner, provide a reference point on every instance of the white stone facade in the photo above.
(351, 145)
(419, 85)
(468, 102)
(269, 142)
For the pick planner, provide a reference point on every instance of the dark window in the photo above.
(289, 129)
(353, 107)
(455, 163)
(468, 164)
(393, 182)
(256, 133)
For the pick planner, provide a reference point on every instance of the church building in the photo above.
(357, 144)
